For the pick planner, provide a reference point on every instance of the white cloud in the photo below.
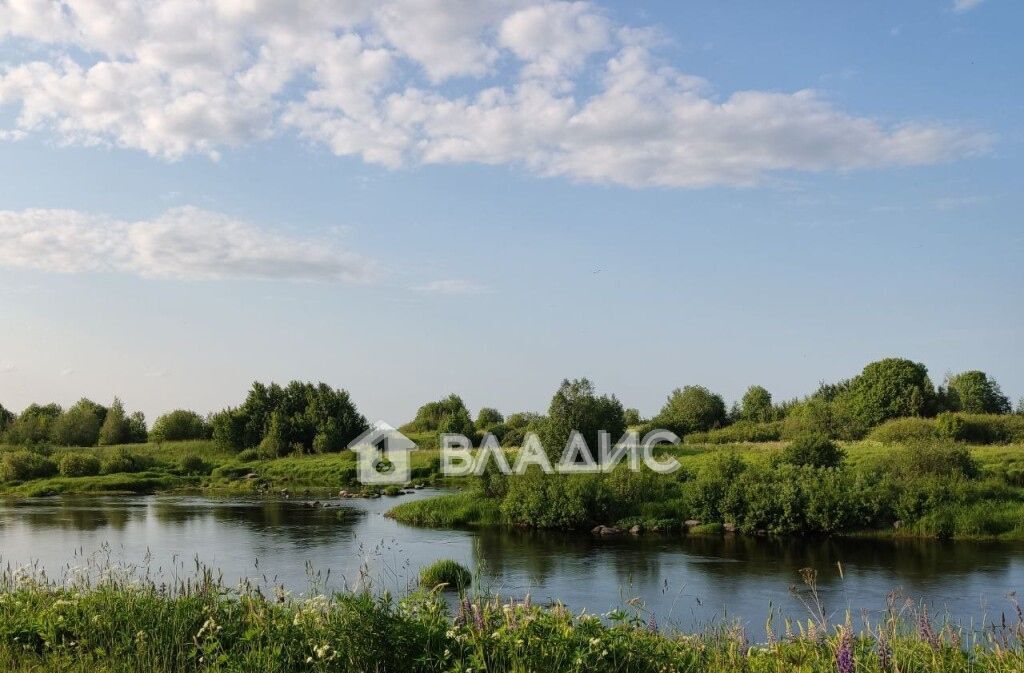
(183, 243)
(555, 87)
(451, 286)
(965, 5)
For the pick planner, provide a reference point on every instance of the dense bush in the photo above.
(740, 431)
(813, 451)
(79, 425)
(23, 465)
(193, 464)
(691, 409)
(178, 425)
(575, 406)
(487, 418)
(78, 465)
(302, 412)
(902, 430)
(33, 425)
(453, 575)
(981, 428)
(539, 500)
(431, 416)
(123, 460)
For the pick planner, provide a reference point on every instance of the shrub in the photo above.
(24, 465)
(565, 501)
(193, 464)
(813, 451)
(981, 428)
(248, 455)
(180, 424)
(79, 465)
(451, 574)
(902, 430)
(932, 459)
(741, 431)
(123, 460)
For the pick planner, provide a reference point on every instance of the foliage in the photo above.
(33, 425)
(431, 415)
(6, 418)
(453, 510)
(298, 412)
(517, 425)
(756, 405)
(539, 500)
(902, 430)
(691, 409)
(889, 388)
(79, 425)
(452, 574)
(180, 424)
(122, 460)
(974, 392)
(813, 451)
(740, 431)
(76, 464)
(576, 407)
(193, 464)
(981, 428)
(23, 465)
(115, 425)
(487, 418)
(632, 417)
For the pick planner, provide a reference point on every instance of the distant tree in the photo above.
(632, 417)
(487, 418)
(79, 425)
(274, 442)
(518, 424)
(691, 409)
(180, 424)
(33, 425)
(305, 411)
(115, 426)
(974, 392)
(889, 388)
(430, 416)
(137, 433)
(575, 406)
(757, 405)
(6, 418)
(458, 423)
(1020, 406)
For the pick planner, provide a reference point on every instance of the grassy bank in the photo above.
(128, 625)
(932, 489)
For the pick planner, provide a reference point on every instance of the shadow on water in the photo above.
(686, 581)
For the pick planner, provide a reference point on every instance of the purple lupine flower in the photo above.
(652, 624)
(884, 651)
(925, 631)
(844, 652)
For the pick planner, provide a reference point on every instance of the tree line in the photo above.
(303, 417)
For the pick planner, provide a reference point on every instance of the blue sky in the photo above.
(556, 195)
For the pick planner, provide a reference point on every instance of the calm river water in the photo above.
(684, 581)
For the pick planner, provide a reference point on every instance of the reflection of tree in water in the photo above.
(77, 514)
(294, 521)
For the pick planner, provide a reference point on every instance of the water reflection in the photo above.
(684, 580)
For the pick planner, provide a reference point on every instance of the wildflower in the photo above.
(652, 624)
(884, 651)
(844, 651)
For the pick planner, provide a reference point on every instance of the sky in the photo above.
(415, 197)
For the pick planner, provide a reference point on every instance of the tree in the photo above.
(487, 418)
(430, 416)
(975, 393)
(757, 405)
(691, 409)
(575, 406)
(180, 424)
(6, 418)
(137, 433)
(115, 426)
(33, 425)
(632, 417)
(79, 425)
(889, 388)
(274, 443)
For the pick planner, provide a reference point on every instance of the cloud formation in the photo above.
(965, 5)
(451, 286)
(183, 243)
(555, 87)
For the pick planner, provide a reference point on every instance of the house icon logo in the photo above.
(382, 455)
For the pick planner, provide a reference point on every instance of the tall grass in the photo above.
(127, 623)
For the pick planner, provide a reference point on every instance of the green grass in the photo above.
(446, 573)
(131, 625)
(454, 510)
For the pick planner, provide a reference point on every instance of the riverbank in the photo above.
(128, 624)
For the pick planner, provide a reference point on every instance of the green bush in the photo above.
(123, 460)
(981, 428)
(740, 431)
(193, 464)
(248, 455)
(79, 465)
(813, 451)
(566, 501)
(25, 465)
(180, 424)
(451, 574)
(902, 430)
(932, 459)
